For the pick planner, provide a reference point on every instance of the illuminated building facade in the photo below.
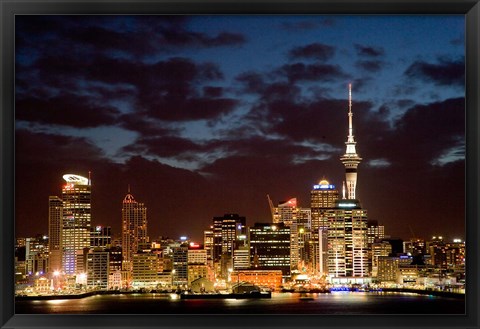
(261, 278)
(145, 269)
(180, 265)
(388, 269)
(322, 199)
(374, 231)
(270, 247)
(241, 258)
(292, 216)
(134, 230)
(97, 268)
(36, 255)
(227, 231)
(76, 198)
(208, 245)
(379, 249)
(101, 236)
(55, 228)
(347, 240)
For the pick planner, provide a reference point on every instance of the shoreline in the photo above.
(103, 292)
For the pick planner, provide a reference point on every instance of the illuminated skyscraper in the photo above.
(322, 198)
(76, 198)
(55, 228)
(270, 247)
(294, 217)
(226, 232)
(134, 230)
(347, 240)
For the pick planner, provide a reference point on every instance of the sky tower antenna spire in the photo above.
(350, 114)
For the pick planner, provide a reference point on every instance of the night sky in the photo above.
(206, 115)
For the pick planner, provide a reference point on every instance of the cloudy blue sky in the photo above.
(206, 115)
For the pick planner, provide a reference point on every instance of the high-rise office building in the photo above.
(134, 230)
(226, 232)
(379, 249)
(55, 229)
(77, 216)
(322, 198)
(374, 231)
(97, 268)
(347, 240)
(180, 265)
(294, 217)
(270, 247)
(208, 245)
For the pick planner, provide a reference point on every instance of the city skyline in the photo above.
(236, 129)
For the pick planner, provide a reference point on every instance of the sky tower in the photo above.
(350, 159)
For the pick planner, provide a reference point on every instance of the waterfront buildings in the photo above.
(145, 269)
(97, 269)
(262, 278)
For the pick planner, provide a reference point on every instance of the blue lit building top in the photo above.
(323, 185)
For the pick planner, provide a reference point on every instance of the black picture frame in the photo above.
(8, 10)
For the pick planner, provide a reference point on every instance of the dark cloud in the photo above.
(370, 65)
(306, 25)
(316, 51)
(457, 42)
(212, 91)
(166, 90)
(313, 72)
(65, 109)
(252, 82)
(127, 35)
(102, 39)
(432, 128)
(446, 72)
(163, 146)
(369, 51)
(144, 125)
(35, 148)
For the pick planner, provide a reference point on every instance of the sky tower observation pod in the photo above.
(76, 179)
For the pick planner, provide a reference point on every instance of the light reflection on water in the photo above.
(280, 303)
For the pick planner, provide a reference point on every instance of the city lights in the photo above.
(331, 245)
